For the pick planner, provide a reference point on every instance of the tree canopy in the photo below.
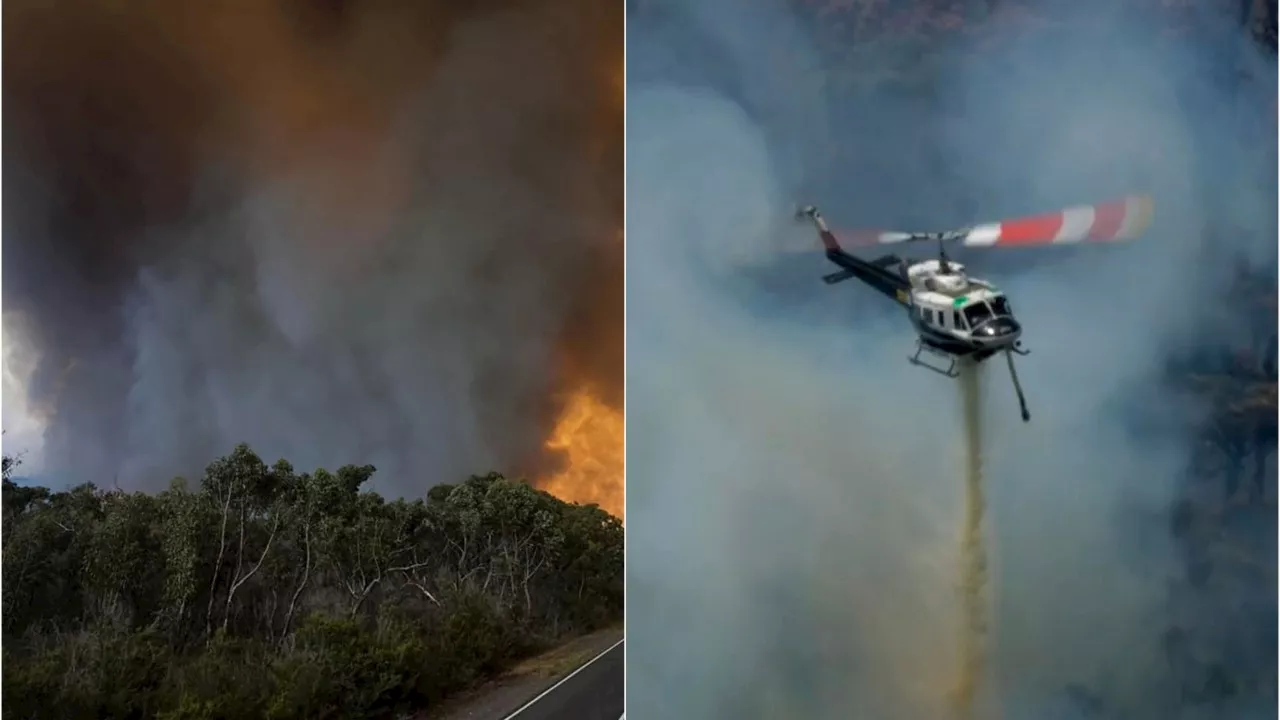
(266, 592)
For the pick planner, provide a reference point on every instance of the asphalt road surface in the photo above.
(592, 692)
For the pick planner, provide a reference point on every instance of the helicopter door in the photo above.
(933, 318)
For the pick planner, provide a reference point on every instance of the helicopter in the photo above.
(957, 317)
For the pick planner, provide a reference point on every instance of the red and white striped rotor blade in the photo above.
(873, 237)
(1123, 219)
(847, 239)
(856, 238)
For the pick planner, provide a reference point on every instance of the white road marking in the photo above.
(564, 680)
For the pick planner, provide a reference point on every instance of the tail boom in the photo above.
(872, 273)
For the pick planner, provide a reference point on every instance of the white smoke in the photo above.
(793, 486)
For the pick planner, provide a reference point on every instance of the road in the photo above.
(592, 692)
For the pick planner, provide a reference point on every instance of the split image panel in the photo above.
(825, 198)
(313, 359)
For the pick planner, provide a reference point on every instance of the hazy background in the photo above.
(794, 486)
(342, 231)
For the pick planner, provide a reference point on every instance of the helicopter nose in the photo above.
(1005, 326)
(1001, 329)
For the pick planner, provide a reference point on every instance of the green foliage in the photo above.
(340, 665)
(88, 674)
(264, 592)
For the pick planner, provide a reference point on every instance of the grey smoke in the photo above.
(794, 487)
(404, 288)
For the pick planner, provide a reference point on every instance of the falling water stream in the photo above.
(973, 556)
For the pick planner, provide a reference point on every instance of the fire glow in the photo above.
(590, 436)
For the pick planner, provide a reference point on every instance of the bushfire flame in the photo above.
(590, 435)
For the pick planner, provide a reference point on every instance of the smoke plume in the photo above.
(348, 231)
(795, 489)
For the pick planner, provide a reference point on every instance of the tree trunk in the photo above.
(217, 564)
(238, 582)
(306, 576)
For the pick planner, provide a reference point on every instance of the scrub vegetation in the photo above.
(261, 591)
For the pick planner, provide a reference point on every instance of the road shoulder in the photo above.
(497, 698)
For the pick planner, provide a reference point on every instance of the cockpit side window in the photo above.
(956, 322)
(1001, 305)
(976, 313)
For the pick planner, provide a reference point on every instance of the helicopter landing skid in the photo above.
(950, 371)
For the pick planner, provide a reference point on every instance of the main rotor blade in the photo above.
(1123, 219)
(876, 237)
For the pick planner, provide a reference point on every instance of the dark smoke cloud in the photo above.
(342, 232)
(794, 488)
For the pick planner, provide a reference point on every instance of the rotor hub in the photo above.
(951, 283)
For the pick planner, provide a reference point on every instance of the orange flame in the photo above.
(590, 434)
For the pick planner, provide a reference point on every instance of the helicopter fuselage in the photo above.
(953, 314)
(958, 314)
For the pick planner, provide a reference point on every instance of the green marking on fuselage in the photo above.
(959, 301)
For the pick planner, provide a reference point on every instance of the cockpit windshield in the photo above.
(976, 313)
(1000, 305)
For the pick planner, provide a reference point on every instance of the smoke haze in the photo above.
(356, 231)
(794, 487)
